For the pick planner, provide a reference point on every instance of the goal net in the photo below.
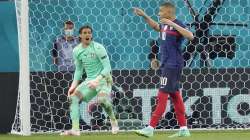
(215, 81)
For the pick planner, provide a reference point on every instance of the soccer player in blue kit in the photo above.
(172, 33)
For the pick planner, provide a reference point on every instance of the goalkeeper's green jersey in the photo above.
(93, 60)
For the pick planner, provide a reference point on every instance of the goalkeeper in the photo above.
(90, 57)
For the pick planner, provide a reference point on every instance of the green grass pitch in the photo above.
(195, 135)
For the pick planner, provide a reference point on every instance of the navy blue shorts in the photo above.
(169, 80)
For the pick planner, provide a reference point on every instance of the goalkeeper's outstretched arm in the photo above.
(104, 58)
(153, 24)
(79, 70)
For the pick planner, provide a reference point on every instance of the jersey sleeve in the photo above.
(79, 68)
(104, 58)
(183, 25)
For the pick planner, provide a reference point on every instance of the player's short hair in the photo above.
(168, 4)
(85, 27)
(69, 22)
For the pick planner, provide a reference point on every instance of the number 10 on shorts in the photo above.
(164, 81)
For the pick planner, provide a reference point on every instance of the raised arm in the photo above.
(153, 24)
(183, 31)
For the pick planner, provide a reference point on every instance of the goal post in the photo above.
(23, 100)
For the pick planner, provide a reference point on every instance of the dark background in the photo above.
(125, 102)
(8, 98)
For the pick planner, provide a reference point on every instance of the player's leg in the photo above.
(82, 93)
(75, 98)
(164, 91)
(179, 107)
(107, 106)
(160, 108)
(74, 109)
(156, 116)
(103, 97)
(180, 115)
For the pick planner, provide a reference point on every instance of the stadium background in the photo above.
(125, 40)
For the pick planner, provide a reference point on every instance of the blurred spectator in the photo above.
(63, 47)
(153, 56)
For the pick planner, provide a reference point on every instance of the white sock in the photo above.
(183, 127)
(150, 127)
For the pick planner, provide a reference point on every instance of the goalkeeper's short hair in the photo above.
(85, 27)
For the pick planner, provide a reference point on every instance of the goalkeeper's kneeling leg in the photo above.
(74, 115)
(74, 111)
(106, 105)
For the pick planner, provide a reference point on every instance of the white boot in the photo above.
(114, 125)
(71, 133)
